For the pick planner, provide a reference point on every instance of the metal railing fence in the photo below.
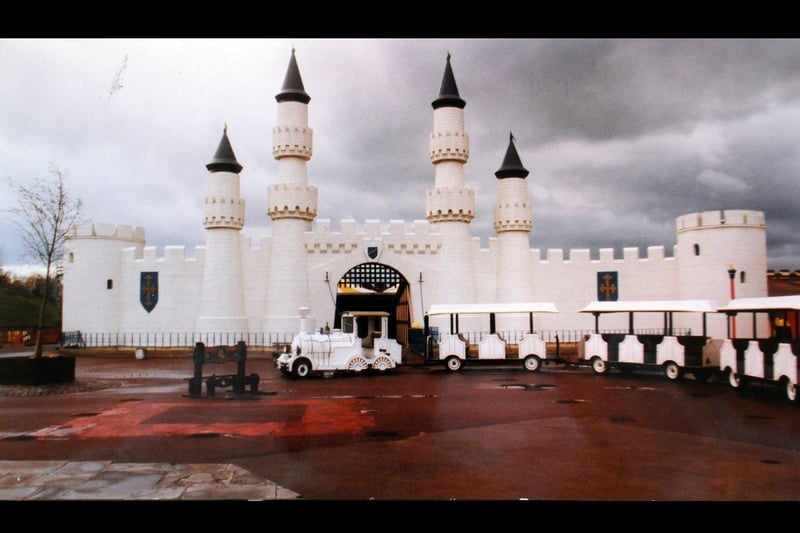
(182, 339)
(268, 339)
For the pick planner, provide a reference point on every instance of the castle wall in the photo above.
(572, 283)
(97, 253)
(255, 273)
(179, 284)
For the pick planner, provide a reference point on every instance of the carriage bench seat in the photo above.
(202, 355)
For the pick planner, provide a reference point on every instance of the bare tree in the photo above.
(44, 213)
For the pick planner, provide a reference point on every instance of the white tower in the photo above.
(711, 243)
(450, 205)
(513, 220)
(292, 206)
(222, 294)
(94, 280)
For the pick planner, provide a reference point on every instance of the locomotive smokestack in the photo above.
(303, 311)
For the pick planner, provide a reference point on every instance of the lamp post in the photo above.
(422, 303)
(732, 276)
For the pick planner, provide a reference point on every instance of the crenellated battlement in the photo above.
(444, 204)
(291, 201)
(449, 145)
(422, 238)
(394, 237)
(131, 240)
(89, 230)
(222, 212)
(604, 255)
(168, 255)
(292, 140)
(332, 244)
(719, 219)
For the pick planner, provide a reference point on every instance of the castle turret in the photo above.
(222, 291)
(292, 206)
(94, 276)
(712, 243)
(513, 221)
(450, 205)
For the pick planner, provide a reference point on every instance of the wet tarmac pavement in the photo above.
(127, 430)
(68, 480)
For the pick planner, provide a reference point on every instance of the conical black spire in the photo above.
(448, 93)
(224, 160)
(512, 166)
(293, 90)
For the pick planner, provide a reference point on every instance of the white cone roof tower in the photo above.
(222, 307)
(513, 221)
(292, 206)
(450, 204)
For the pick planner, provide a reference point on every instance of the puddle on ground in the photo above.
(529, 386)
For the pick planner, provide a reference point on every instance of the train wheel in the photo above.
(599, 366)
(357, 364)
(672, 370)
(302, 368)
(453, 363)
(733, 379)
(791, 391)
(382, 363)
(532, 363)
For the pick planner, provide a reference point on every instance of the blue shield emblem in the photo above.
(372, 252)
(148, 290)
(607, 287)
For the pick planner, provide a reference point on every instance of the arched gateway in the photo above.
(375, 287)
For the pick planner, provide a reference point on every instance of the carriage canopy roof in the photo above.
(487, 308)
(365, 313)
(655, 306)
(766, 303)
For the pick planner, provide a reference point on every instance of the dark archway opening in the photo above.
(376, 287)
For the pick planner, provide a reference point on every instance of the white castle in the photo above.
(119, 291)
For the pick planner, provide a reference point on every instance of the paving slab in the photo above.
(106, 480)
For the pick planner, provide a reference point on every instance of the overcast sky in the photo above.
(620, 136)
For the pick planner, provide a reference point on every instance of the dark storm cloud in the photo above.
(621, 136)
(624, 88)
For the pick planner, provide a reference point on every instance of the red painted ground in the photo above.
(280, 418)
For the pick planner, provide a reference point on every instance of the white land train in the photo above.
(674, 354)
(454, 348)
(342, 350)
(772, 359)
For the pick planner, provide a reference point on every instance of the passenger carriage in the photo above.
(665, 350)
(772, 354)
(454, 349)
